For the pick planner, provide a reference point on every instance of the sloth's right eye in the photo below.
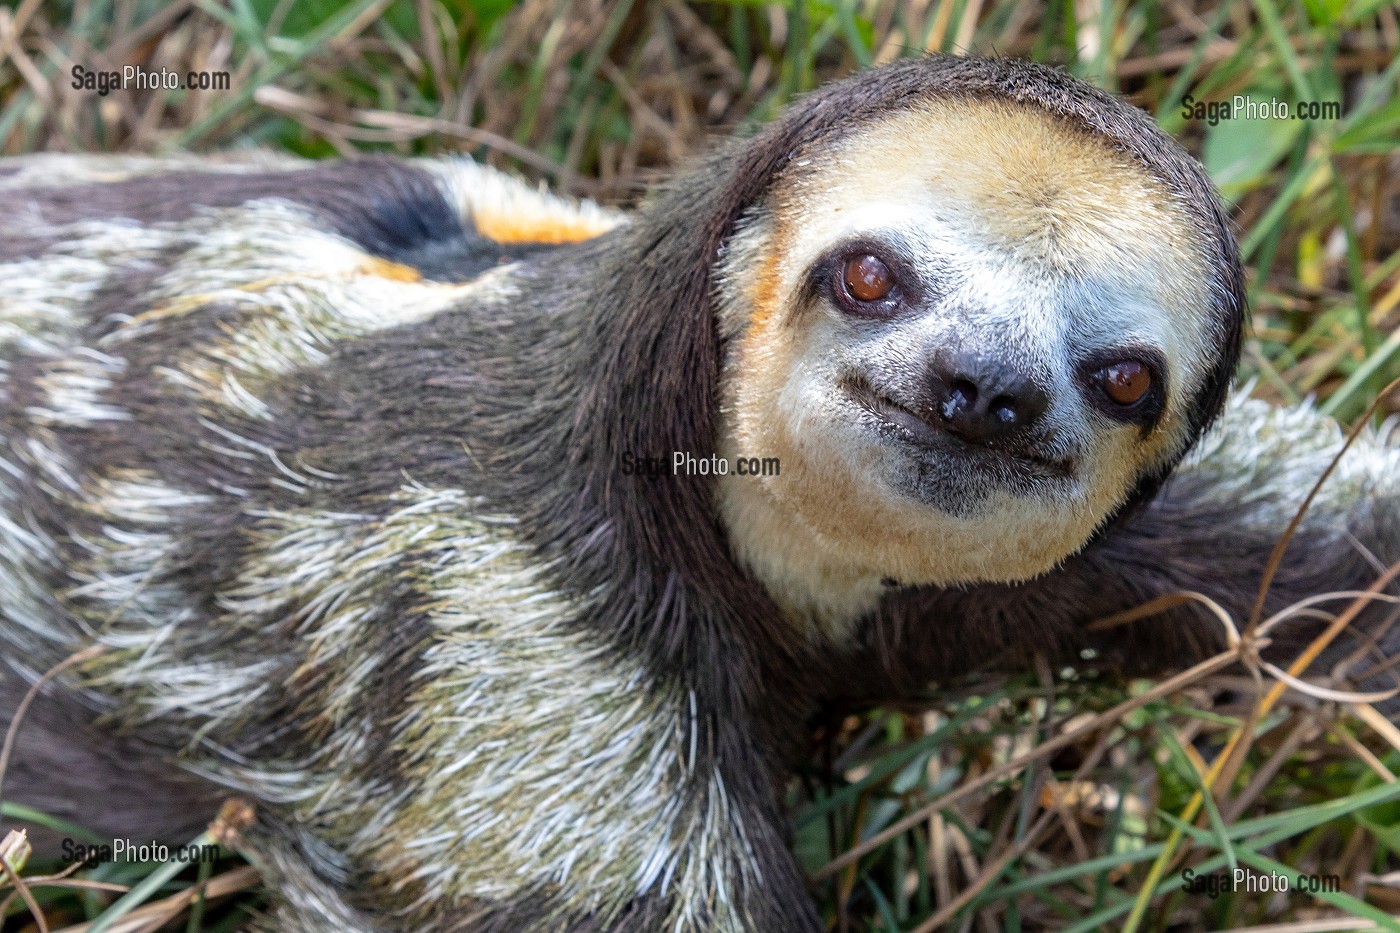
(867, 278)
(865, 281)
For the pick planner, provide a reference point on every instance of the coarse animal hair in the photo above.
(328, 460)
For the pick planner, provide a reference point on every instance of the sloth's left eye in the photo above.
(1125, 383)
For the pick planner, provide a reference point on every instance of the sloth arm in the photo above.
(1210, 530)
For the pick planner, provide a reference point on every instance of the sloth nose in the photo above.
(985, 401)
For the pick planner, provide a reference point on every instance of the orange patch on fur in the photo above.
(518, 228)
(394, 271)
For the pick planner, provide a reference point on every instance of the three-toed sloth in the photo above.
(332, 461)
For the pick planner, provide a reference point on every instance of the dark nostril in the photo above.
(1004, 409)
(984, 401)
(962, 397)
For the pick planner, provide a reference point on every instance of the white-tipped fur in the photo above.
(54, 169)
(305, 291)
(509, 211)
(504, 657)
(41, 299)
(502, 663)
(1264, 459)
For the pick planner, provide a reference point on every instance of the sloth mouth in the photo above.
(901, 423)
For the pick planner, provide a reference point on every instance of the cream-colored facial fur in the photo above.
(1042, 244)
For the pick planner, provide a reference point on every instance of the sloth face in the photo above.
(967, 332)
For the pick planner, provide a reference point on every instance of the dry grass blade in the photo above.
(1297, 609)
(1048, 747)
(1382, 726)
(61, 880)
(991, 872)
(157, 914)
(1362, 753)
(1327, 693)
(1228, 762)
(1170, 601)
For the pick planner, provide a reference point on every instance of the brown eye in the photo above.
(1125, 383)
(868, 278)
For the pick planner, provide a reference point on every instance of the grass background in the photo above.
(598, 98)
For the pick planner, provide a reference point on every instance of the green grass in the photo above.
(600, 97)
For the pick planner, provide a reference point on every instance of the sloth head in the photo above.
(974, 308)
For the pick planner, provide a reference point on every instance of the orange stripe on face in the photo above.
(524, 228)
(766, 291)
